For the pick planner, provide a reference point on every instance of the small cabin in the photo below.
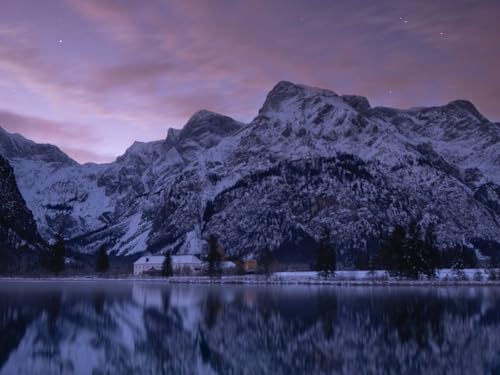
(185, 264)
(148, 263)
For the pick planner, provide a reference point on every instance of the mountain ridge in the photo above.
(439, 164)
(14, 145)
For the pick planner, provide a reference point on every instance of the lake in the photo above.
(148, 327)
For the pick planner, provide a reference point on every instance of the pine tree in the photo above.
(57, 251)
(470, 258)
(412, 260)
(166, 267)
(392, 251)
(327, 257)
(102, 261)
(459, 263)
(266, 261)
(431, 252)
(213, 257)
(384, 258)
(494, 260)
(362, 260)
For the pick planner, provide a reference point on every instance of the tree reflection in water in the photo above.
(108, 327)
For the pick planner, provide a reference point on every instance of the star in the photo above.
(60, 41)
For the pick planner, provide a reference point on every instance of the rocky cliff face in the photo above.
(310, 158)
(19, 237)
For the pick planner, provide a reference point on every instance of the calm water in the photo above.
(112, 327)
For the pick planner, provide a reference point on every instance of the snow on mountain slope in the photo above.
(111, 203)
(313, 158)
(310, 158)
(456, 131)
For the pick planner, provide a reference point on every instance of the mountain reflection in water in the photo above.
(121, 327)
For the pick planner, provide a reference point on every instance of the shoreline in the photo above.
(260, 280)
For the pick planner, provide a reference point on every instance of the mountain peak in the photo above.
(203, 114)
(172, 136)
(16, 146)
(140, 149)
(285, 90)
(359, 103)
(204, 121)
(205, 129)
(464, 105)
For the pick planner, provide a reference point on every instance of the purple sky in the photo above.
(92, 76)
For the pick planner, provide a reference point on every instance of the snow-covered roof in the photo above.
(176, 259)
(227, 264)
(150, 259)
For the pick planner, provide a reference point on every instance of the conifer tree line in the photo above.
(54, 259)
(406, 251)
(410, 252)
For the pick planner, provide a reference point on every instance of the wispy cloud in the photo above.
(72, 138)
(145, 66)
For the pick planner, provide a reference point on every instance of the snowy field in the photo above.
(380, 277)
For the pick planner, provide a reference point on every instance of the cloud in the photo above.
(145, 66)
(347, 46)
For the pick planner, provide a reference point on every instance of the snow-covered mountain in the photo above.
(310, 158)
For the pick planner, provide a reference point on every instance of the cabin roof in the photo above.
(176, 259)
(185, 259)
(227, 264)
(150, 259)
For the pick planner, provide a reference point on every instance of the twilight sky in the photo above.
(92, 76)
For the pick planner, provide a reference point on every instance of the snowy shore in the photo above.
(351, 278)
(342, 278)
